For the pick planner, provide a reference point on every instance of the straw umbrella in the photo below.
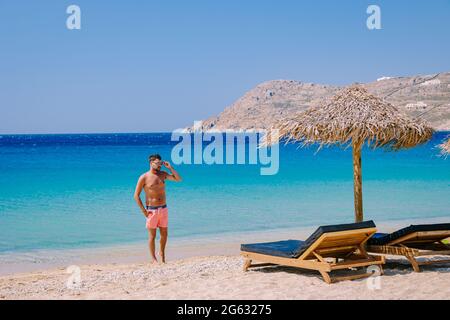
(445, 147)
(349, 119)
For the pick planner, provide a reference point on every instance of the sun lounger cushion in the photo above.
(294, 248)
(286, 248)
(385, 238)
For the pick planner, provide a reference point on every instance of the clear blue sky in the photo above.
(143, 66)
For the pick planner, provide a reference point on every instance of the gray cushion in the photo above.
(385, 238)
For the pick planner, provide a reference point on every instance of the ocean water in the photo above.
(76, 191)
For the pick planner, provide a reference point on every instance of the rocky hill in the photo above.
(425, 96)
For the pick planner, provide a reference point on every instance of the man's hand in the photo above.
(173, 176)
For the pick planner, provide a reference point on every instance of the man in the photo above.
(155, 210)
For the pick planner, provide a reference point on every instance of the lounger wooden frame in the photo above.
(347, 248)
(417, 244)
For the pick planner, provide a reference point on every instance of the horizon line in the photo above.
(93, 133)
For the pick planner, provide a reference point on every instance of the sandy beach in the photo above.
(221, 277)
(208, 268)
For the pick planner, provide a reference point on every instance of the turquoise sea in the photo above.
(76, 191)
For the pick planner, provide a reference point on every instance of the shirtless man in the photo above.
(155, 210)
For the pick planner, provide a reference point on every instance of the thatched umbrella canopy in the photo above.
(351, 118)
(445, 147)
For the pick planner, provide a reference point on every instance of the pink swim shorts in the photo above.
(157, 217)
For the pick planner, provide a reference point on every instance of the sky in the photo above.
(151, 66)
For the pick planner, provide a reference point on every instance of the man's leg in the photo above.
(151, 243)
(163, 233)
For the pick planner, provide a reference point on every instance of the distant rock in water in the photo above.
(425, 96)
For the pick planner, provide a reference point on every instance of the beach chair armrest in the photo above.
(372, 260)
(394, 250)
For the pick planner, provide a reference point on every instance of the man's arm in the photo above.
(173, 176)
(137, 195)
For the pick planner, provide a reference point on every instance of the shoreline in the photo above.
(177, 248)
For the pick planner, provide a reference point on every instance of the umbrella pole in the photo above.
(357, 181)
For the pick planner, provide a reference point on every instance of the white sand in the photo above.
(204, 268)
(221, 277)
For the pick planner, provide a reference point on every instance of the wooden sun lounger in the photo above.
(416, 244)
(345, 248)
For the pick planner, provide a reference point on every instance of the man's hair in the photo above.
(154, 157)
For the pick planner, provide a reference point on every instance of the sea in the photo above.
(60, 191)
